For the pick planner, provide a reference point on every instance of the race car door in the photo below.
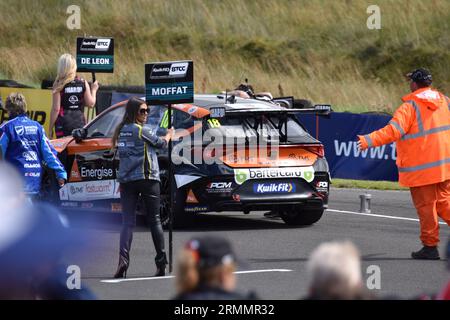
(92, 176)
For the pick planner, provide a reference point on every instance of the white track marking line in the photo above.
(378, 215)
(261, 271)
(170, 277)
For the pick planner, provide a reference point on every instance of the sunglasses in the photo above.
(143, 111)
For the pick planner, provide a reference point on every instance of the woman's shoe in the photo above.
(161, 263)
(160, 271)
(121, 270)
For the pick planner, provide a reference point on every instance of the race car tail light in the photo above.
(316, 149)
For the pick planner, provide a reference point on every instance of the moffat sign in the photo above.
(169, 82)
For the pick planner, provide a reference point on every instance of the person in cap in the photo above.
(421, 129)
(205, 271)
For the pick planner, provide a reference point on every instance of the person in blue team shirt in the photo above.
(23, 144)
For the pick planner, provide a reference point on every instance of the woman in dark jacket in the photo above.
(139, 176)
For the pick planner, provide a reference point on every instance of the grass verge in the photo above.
(365, 184)
(320, 50)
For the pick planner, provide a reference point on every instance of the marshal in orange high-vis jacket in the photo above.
(421, 129)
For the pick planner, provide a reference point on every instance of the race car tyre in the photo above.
(164, 199)
(181, 219)
(301, 217)
(49, 188)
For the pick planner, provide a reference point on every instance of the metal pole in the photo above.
(365, 203)
(169, 113)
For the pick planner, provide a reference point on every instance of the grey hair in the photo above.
(334, 270)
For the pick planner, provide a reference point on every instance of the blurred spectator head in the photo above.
(208, 261)
(32, 238)
(335, 271)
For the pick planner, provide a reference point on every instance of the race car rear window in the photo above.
(268, 127)
(244, 127)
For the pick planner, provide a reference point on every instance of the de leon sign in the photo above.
(95, 55)
(169, 82)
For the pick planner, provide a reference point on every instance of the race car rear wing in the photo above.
(260, 113)
(318, 109)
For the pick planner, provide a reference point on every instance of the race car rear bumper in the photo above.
(313, 203)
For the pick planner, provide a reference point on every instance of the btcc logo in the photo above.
(102, 44)
(169, 70)
(95, 44)
(178, 69)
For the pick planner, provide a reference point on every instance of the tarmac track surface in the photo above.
(274, 255)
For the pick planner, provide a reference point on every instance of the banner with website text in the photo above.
(339, 133)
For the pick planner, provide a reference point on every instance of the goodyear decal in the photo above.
(242, 175)
(196, 208)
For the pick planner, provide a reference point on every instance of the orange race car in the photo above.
(229, 154)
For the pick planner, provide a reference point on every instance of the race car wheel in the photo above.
(49, 188)
(164, 199)
(180, 218)
(301, 217)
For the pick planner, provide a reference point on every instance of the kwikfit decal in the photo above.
(274, 188)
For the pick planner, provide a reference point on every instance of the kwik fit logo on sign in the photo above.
(169, 82)
(95, 55)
